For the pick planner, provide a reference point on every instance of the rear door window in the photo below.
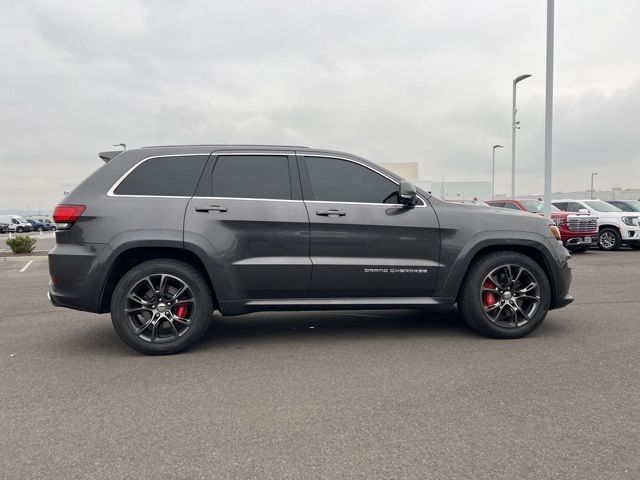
(175, 176)
(252, 176)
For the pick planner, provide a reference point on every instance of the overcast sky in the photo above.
(426, 81)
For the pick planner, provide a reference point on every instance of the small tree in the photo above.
(21, 244)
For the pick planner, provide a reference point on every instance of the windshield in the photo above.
(536, 206)
(634, 204)
(600, 206)
(21, 220)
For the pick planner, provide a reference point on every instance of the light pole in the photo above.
(592, 190)
(493, 169)
(514, 126)
(548, 111)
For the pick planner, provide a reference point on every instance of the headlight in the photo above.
(632, 221)
(555, 231)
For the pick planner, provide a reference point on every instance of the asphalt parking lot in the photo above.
(366, 395)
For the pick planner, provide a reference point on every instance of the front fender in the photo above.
(456, 259)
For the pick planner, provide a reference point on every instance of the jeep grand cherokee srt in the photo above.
(163, 236)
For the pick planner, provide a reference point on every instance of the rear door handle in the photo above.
(330, 213)
(211, 208)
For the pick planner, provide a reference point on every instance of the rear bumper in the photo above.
(77, 275)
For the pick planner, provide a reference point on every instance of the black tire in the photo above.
(580, 249)
(19, 229)
(53, 228)
(470, 299)
(609, 239)
(124, 323)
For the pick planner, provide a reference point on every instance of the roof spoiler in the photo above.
(106, 156)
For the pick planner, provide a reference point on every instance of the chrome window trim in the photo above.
(337, 157)
(219, 153)
(111, 191)
(249, 198)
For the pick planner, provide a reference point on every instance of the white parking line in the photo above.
(26, 266)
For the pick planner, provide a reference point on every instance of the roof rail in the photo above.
(106, 156)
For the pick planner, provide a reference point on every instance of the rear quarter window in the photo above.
(174, 176)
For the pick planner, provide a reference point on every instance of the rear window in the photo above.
(175, 176)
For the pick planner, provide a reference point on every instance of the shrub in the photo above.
(21, 244)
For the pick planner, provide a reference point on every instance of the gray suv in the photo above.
(163, 236)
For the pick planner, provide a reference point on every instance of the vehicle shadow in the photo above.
(332, 326)
(303, 328)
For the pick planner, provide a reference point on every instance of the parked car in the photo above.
(40, 226)
(615, 227)
(579, 231)
(16, 223)
(47, 223)
(163, 236)
(626, 205)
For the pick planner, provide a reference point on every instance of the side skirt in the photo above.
(359, 303)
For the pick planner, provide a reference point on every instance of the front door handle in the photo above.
(211, 208)
(330, 213)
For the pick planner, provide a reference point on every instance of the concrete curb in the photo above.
(25, 258)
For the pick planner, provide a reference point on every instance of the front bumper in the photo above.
(581, 241)
(560, 275)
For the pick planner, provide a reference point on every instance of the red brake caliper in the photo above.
(489, 298)
(182, 311)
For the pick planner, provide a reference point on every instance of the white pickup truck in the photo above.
(615, 227)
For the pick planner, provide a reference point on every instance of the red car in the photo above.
(579, 231)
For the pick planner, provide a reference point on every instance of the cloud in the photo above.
(426, 81)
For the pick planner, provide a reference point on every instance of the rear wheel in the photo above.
(610, 239)
(161, 307)
(505, 295)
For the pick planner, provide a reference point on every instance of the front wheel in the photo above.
(505, 295)
(609, 239)
(161, 307)
(19, 229)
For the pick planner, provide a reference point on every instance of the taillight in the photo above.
(66, 215)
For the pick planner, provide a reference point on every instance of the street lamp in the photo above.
(493, 169)
(123, 145)
(592, 191)
(514, 126)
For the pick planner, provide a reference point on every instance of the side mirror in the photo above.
(584, 211)
(407, 194)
